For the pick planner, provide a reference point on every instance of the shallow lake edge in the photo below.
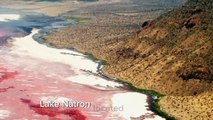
(151, 94)
(153, 97)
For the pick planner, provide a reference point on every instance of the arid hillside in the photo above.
(172, 54)
(175, 49)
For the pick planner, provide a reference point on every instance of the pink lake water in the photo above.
(31, 73)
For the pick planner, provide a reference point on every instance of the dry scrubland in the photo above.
(102, 30)
(50, 8)
(173, 56)
(105, 34)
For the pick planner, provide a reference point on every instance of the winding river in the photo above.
(36, 79)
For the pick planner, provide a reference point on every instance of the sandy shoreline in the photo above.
(7, 17)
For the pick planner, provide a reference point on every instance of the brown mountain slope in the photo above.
(175, 57)
(176, 50)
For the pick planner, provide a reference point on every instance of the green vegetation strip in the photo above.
(95, 59)
(154, 102)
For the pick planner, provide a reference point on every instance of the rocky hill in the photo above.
(174, 55)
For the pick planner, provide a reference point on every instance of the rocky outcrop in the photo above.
(195, 72)
(127, 53)
(193, 21)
